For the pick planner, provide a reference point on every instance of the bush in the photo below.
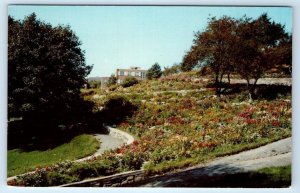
(55, 179)
(129, 81)
(117, 108)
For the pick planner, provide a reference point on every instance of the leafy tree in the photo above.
(154, 72)
(129, 81)
(112, 80)
(46, 69)
(281, 55)
(171, 70)
(213, 48)
(246, 46)
(262, 45)
(191, 58)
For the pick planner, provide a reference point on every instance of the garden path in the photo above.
(107, 142)
(274, 154)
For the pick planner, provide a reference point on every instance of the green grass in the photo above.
(20, 161)
(282, 173)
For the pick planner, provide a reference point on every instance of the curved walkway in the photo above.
(114, 139)
(271, 155)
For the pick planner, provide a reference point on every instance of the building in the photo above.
(136, 72)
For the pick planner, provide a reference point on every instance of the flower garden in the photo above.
(179, 122)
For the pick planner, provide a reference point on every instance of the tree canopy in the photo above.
(259, 43)
(248, 47)
(154, 72)
(46, 70)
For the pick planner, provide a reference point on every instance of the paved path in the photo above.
(107, 142)
(274, 154)
(267, 81)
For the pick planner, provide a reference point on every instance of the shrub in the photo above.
(55, 179)
(131, 161)
(117, 108)
(129, 81)
(112, 80)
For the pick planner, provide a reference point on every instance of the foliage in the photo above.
(46, 70)
(154, 72)
(248, 47)
(178, 121)
(174, 69)
(260, 42)
(176, 129)
(21, 161)
(117, 108)
(112, 80)
(129, 81)
(214, 48)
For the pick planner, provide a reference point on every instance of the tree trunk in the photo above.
(217, 84)
(228, 77)
(249, 91)
(252, 89)
(220, 83)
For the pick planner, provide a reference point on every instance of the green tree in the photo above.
(46, 70)
(174, 69)
(154, 72)
(246, 46)
(261, 45)
(214, 48)
(112, 80)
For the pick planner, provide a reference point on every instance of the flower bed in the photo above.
(176, 130)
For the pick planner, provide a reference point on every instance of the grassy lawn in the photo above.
(20, 162)
(278, 174)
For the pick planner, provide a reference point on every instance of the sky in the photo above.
(123, 36)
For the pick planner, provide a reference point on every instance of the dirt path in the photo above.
(274, 154)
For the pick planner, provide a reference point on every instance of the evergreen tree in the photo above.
(154, 72)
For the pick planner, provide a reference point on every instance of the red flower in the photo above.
(251, 121)
(275, 123)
